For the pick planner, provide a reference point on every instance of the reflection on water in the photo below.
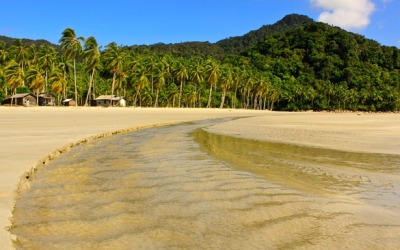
(181, 187)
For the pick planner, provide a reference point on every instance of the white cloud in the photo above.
(347, 14)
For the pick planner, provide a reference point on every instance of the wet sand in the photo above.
(30, 134)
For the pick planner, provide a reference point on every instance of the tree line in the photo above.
(310, 67)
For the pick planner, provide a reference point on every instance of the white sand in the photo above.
(30, 134)
(364, 132)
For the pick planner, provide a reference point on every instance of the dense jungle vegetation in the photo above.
(294, 64)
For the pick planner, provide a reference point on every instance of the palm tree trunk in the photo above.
(209, 97)
(45, 88)
(180, 94)
(156, 101)
(223, 99)
(112, 86)
(90, 86)
(76, 90)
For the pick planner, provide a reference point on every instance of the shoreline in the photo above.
(45, 132)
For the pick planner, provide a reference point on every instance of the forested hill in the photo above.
(8, 41)
(239, 44)
(228, 46)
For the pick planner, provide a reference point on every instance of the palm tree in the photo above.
(182, 75)
(3, 52)
(212, 74)
(47, 56)
(21, 54)
(14, 76)
(91, 54)
(36, 79)
(114, 59)
(64, 65)
(142, 81)
(72, 47)
(57, 81)
(160, 80)
(3, 56)
(226, 81)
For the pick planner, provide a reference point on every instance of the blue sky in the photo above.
(130, 22)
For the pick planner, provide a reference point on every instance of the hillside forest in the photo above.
(294, 64)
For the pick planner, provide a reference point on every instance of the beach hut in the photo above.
(25, 99)
(69, 102)
(46, 99)
(109, 100)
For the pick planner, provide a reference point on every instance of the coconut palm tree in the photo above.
(114, 60)
(58, 82)
(72, 47)
(141, 82)
(182, 75)
(91, 54)
(211, 75)
(226, 81)
(14, 76)
(47, 56)
(65, 66)
(161, 76)
(36, 80)
(20, 53)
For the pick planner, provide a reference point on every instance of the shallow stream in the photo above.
(180, 187)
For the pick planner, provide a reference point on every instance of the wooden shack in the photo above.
(109, 100)
(69, 102)
(25, 99)
(46, 99)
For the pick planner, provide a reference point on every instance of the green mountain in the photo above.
(28, 42)
(239, 44)
(232, 45)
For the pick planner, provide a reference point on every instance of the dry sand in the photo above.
(30, 134)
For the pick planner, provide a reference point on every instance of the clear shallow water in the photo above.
(179, 187)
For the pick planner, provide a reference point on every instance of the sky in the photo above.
(137, 22)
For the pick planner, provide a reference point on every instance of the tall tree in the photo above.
(36, 80)
(14, 76)
(72, 47)
(57, 81)
(20, 53)
(91, 54)
(226, 81)
(182, 75)
(47, 56)
(114, 59)
(211, 76)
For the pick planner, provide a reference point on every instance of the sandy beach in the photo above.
(30, 135)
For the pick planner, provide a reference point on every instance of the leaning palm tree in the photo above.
(46, 58)
(91, 54)
(36, 80)
(182, 75)
(57, 81)
(211, 73)
(160, 80)
(20, 53)
(226, 81)
(72, 47)
(114, 59)
(14, 76)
